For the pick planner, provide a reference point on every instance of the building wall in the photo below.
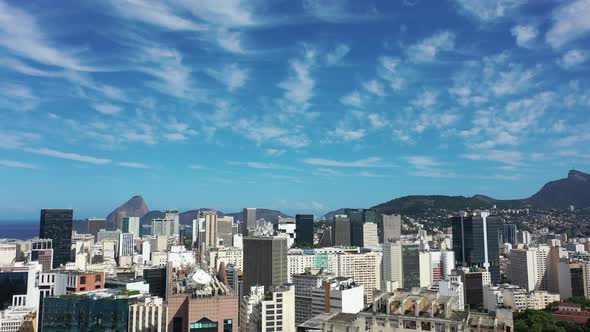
(185, 310)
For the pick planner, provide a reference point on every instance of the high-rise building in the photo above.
(475, 242)
(265, 261)
(392, 227)
(473, 282)
(528, 268)
(131, 225)
(42, 251)
(341, 230)
(126, 244)
(173, 218)
(118, 221)
(304, 284)
(286, 225)
(364, 268)
(357, 218)
(156, 279)
(248, 220)
(442, 263)
(509, 233)
(95, 224)
(209, 228)
(56, 224)
(524, 237)
(338, 294)
(225, 232)
(273, 311)
(370, 235)
(304, 228)
(406, 264)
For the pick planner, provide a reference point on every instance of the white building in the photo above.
(364, 268)
(287, 226)
(132, 225)
(7, 254)
(18, 319)
(148, 314)
(272, 312)
(528, 268)
(370, 235)
(228, 255)
(126, 244)
(399, 265)
(340, 294)
(453, 286)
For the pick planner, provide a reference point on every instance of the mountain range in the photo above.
(559, 194)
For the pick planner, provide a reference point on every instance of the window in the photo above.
(228, 325)
(83, 280)
(98, 278)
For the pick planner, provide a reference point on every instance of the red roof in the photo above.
(569, 304)
(571, 316)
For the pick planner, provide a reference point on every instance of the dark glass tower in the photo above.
(85, 314)
(357, 218)
(341, 230)
(56, 224)
(509, 233)
(304, 228)
(475, 242)
(265, 261)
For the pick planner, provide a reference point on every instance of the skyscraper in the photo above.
(370, 235)
(475, 242)
(392, 227)
(95, 224)
(341, 230)
(248, 220)
(126, 244)
(509, 233)
(265, 261)
(225, 230)
(131, 225)
(56, 224)
(357, 218)
(210, 228)
(304, 228)
(406, 264)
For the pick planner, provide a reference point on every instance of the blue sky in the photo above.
(302, 106)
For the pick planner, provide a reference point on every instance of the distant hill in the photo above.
(267, 214)
(560, 194)
(134, 207)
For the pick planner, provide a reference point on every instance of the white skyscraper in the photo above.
(126, 244)
(131, 225)
(528, 268)
(370, 235)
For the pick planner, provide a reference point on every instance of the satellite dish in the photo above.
(202, 278)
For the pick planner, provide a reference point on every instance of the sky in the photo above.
(302, 106)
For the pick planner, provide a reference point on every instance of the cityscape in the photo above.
(295, 166)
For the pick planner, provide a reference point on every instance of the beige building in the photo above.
(148, 314)
(273, 311)
(370, 235)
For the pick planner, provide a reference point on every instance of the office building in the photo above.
(475, 242)
(286, 226)
(338, 294)
(405, 264)
(225, 231)
(94, 225)
(42, 251)
(528, 268)
(573, 279)
(156, 279)
(274, 311)
(56, 224)
(453, 286)
(518, 299)
(509, 234)
(126, 244)
(148, 314)
(73, 282)
(265, 261)
(473, 281)
(198, 301)
(304, 284)
(341, 230)
(392, 228)
(118, 221)
(85, 314)
(207, 229)
(442, 263)
(18, 319)
(304, 228)
(19, 287)
(173, 218)
(524, 237)
(248, 220)
(226, 255)
(131, 225)
(358, 217)
(365, 269)
(370, 235)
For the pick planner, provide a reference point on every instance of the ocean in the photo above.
(19, 229)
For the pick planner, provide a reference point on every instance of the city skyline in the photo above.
(300, 106)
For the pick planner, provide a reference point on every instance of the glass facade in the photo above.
(13, 283)
(357, 218)
(304, 228)
(204, 325)
(411, 265)
(57, 226)
(80, 313)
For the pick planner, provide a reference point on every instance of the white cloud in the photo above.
(299, 85)
(377, 120)
(524, 34)
(175, 137)
(353, 99)
(372, 175)
(426, 166)
(155, 13)
(16, 140)
(69, 156)
(327, 10)
(573, 58)
(336, 55)
(232, 76)
(375, 87)
(505, 157)
(21, 34)
(132, 165)
(570, 22)
(232, 13)
(388, 70)
(230, 41)
(259, 165)
(165, 64)
(488, 10)
(428, 49)
(426, 99)
(368, 162)
(107, 109)
(197, 167)
(17, 164)
(347, 135)
(274, 152)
